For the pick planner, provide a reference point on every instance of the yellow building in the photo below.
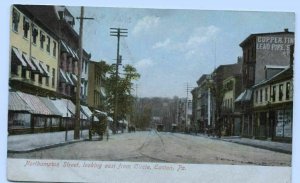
(34, 54)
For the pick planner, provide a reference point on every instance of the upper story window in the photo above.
(35, 33)
(15, 20)
(280, 92)
(54, 49)
(274, 94)
(42, 39)
(48, 44)
(287, 90)
(256, 96)
(25, 27)
(266, 94)
(260, 95)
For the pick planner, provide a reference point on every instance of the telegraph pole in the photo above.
(78, 86)
(117, 32)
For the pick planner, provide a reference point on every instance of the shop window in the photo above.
(15, 20)
(25, 27)
(42, 39)
(48, 44)
(287, 90)
(280, 92)
(35, 33)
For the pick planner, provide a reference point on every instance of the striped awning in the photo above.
(16, 103)
(29, 62)
(19, 56)
(36, 105)
(48, 102)
(38, 66)
(43, 66)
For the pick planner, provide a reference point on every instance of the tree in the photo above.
(121, 87)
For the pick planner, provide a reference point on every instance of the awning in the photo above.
(86, 110)
(101, 113)
(74, 78)
(43, 66)
(19, 56)
(65, 107)
(63, 76)
(69, 78)
(64, 47)
(102, 92)
(48, 102)
(245, 96)
(37, 65)
(36, 105)
(28, 61)
(16, 103)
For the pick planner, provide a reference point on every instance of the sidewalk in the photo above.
(31, 142)
(263, 144)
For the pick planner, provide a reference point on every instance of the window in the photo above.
(42, 39)
(54, 48)
(23, 74)
(40, 79)
(47, 78)
(25, 27)
(32, 76)
(287, 90)
(86, 66)
(14, 68)
(35, 33)
(266, 94)
(256, 96)
(280, 92)
(48, 44)
(15, 20)
(274, 94)
(260, 95)
(53, 77)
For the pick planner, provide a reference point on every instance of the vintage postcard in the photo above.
(99, 94)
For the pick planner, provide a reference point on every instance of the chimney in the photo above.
(286, 30)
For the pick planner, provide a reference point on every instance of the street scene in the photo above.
(151, 85)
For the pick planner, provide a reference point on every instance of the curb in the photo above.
(45, 147)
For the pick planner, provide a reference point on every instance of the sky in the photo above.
(171, 48)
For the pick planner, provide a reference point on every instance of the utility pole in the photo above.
(78, 86)
(117, 32)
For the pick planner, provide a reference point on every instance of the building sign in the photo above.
(274, 43)
(284, 123)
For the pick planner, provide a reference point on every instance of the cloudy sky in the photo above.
(170, 48)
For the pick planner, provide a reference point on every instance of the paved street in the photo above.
(152, 146)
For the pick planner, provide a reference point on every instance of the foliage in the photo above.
(121, 88)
